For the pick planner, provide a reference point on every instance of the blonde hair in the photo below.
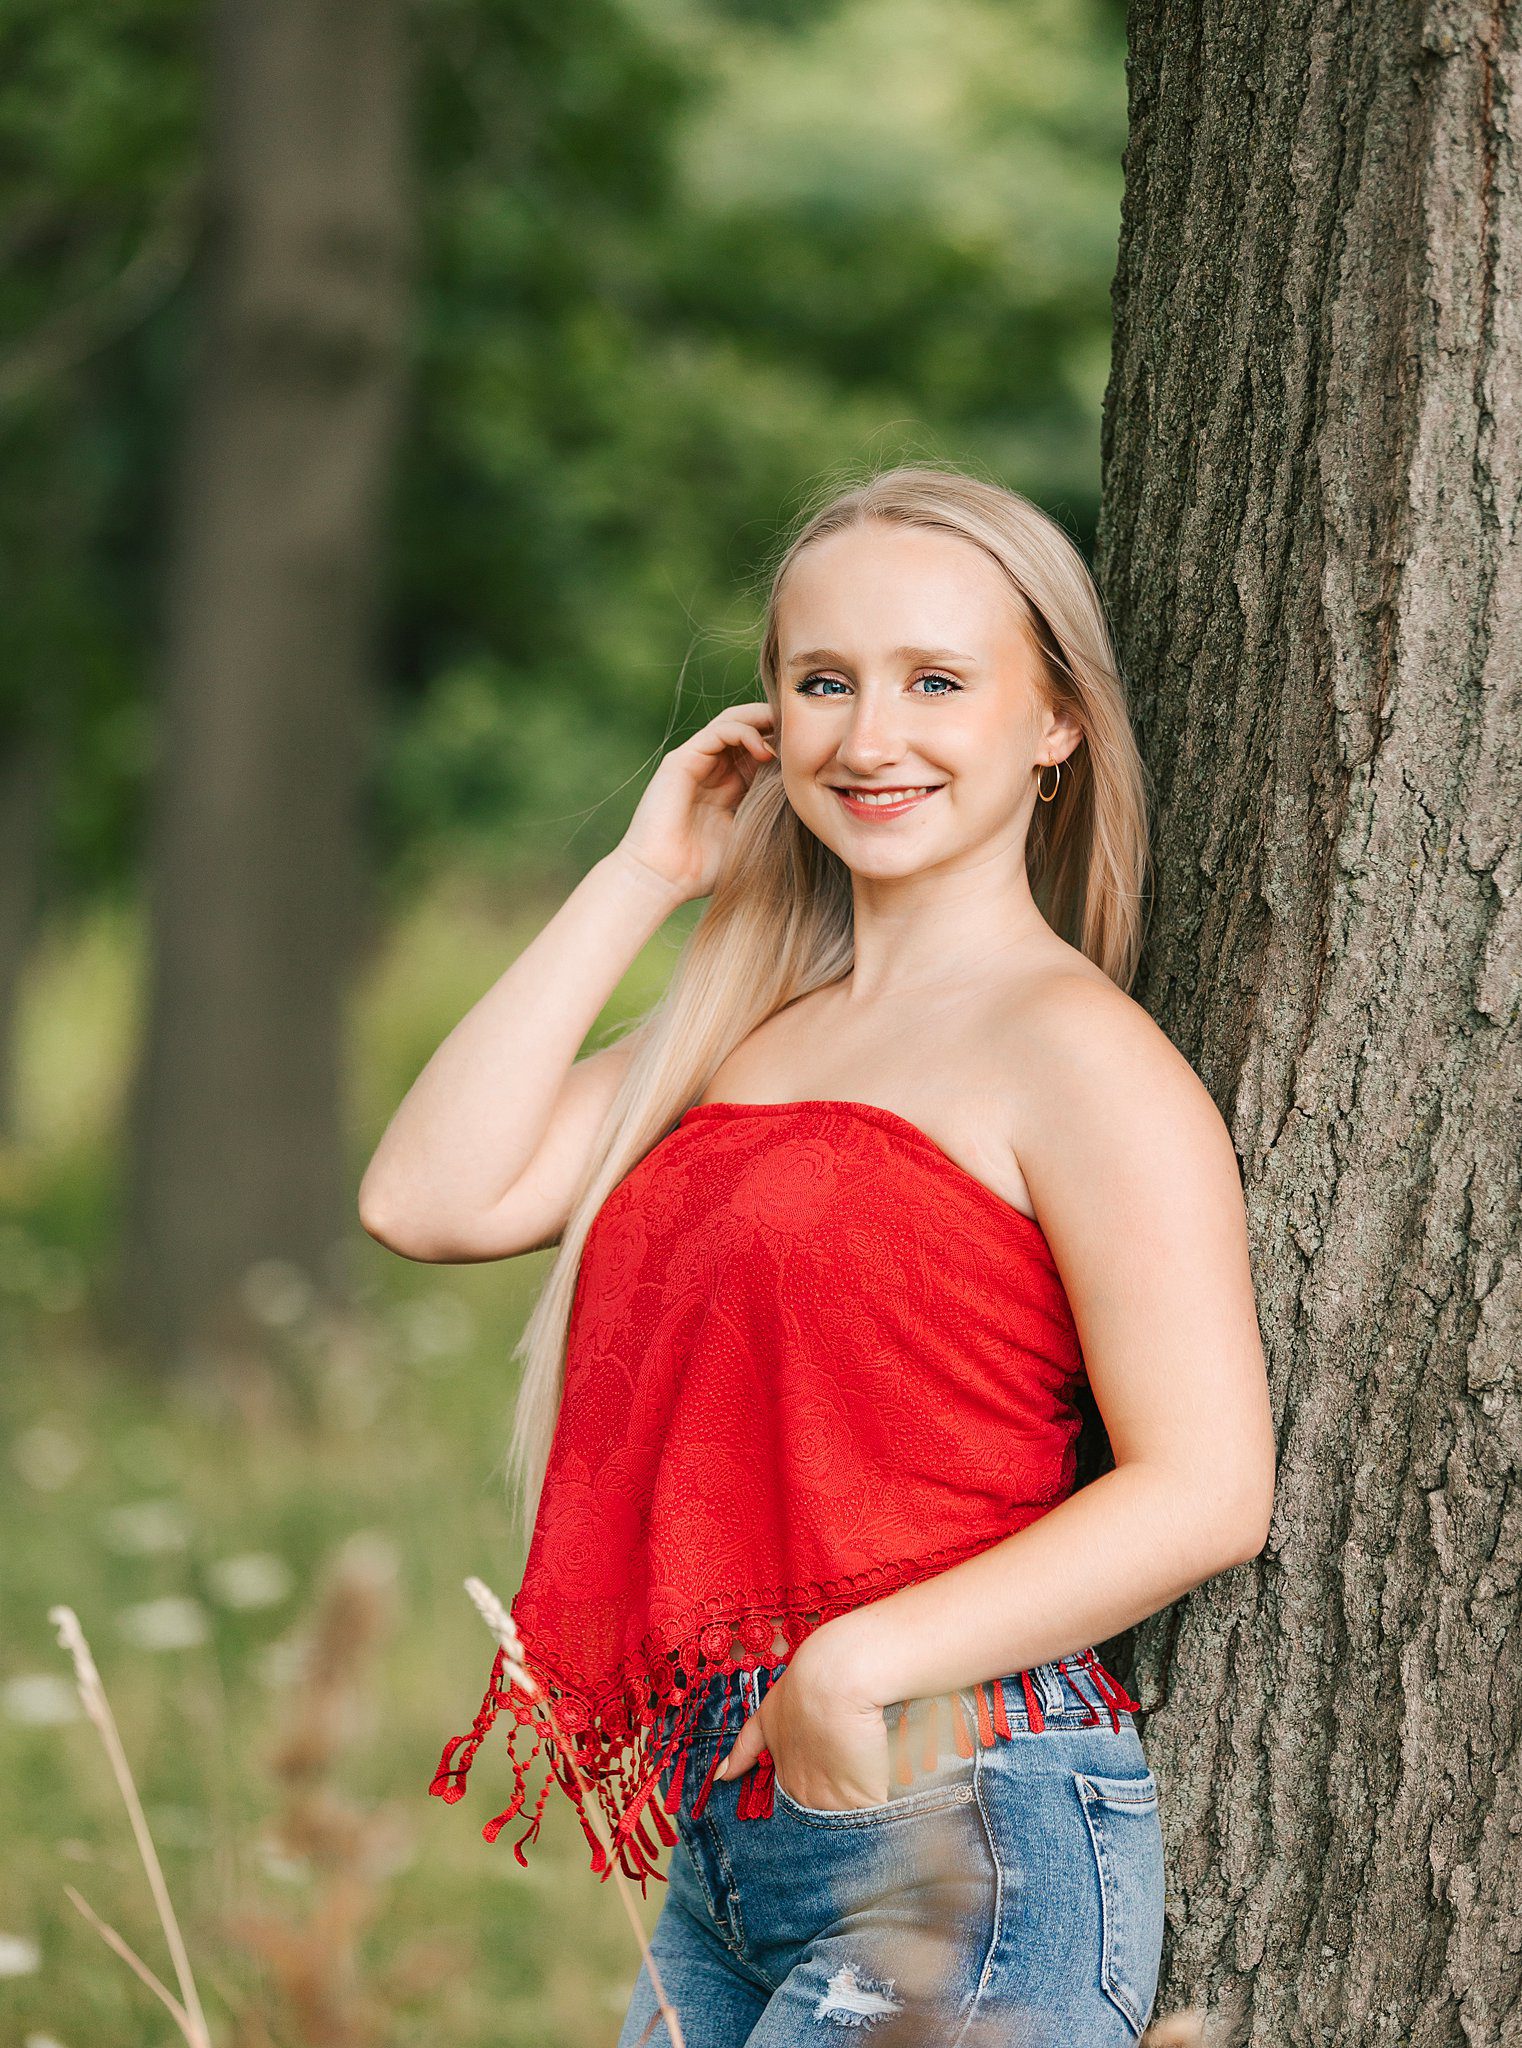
(779, 921)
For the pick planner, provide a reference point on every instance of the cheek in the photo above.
(802, 765)
(988, 788)
(987, 764)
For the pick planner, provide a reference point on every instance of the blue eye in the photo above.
(802, 688)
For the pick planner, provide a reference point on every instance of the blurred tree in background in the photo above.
(255, 872)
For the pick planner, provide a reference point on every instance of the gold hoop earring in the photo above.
(1056, 766)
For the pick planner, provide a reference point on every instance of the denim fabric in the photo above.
(1013, 1897)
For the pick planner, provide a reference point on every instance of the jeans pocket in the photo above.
(926, 1772)
(948, 1791)
(1126, 1832)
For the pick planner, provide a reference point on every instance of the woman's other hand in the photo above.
(828, 1743)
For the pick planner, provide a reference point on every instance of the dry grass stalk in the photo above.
(186, 2010)
(505, 1630)
(131, 1958)
(1177, 2030)
(315, 1960)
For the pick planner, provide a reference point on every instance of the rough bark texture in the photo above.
(1313, 450)
(255, 871)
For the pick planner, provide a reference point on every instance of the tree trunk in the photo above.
(30, 758)
(255, 866)
(1312, 455)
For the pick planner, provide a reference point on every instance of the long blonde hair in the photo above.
(779, 921)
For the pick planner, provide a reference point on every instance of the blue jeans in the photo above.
(1009, 1899)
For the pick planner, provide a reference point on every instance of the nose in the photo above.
(870, 741)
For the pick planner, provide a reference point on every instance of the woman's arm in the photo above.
(1135, 1183)
(479, 1115)
(482, 1157)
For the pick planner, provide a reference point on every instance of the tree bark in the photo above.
(255, 864)
(1312, 453)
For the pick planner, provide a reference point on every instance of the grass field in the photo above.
(195, 1555)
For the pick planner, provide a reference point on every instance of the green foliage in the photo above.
(883, 231)
(99, 116)
(677, 258)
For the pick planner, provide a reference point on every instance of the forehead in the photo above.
(881, 586)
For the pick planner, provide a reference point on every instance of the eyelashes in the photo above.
(933, 676)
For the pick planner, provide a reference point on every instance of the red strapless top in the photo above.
(810, 1360)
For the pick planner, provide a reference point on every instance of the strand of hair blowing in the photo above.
(779, 921)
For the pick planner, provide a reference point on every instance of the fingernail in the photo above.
(723, 1768)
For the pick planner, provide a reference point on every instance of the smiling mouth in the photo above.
(884, 798)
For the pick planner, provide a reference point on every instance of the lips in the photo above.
(868, 802)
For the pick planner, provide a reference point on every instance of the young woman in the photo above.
(847, 1222)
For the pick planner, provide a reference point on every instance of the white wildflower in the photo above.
(276, 1293)
(277, 1863)
(145, 1528)
(46, 1457)
(255, 1578)
(39, 1699)
(173, 1623)
(19, 1955)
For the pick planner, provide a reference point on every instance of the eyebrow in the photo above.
(907, 654)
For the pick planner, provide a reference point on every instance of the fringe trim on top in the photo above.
(622, 1751)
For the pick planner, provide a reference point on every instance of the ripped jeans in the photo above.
(1008, 1899)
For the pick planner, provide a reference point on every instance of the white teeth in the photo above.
(887, 796)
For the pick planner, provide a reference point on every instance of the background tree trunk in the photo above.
(255, 866)
(1312, 451)
(29, 768)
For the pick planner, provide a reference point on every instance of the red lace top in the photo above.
(810, 1360)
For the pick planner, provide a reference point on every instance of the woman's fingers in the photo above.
(680, 822)
(740, 725)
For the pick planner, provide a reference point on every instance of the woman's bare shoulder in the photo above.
(1082, 1040)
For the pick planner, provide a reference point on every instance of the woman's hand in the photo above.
(828, 1743)
(682, 824)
